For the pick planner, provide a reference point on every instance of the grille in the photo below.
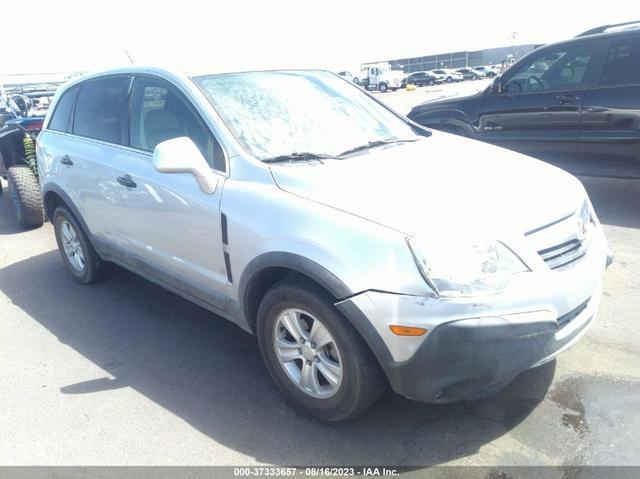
(564, 241)
(564, 254)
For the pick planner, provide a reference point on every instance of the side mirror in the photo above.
(497, 84)
(181, 155)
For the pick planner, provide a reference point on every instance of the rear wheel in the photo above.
(319, 362)
(449, 79)
(25, 195)
(77, 253)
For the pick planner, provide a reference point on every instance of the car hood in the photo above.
(439, 185)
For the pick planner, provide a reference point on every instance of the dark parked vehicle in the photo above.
(575, 104)
(470, 73)
(420, 79)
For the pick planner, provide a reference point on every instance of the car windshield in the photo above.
(279, 113)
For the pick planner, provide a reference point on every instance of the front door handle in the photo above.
(66, 160)
(567, 99)
(126, 180)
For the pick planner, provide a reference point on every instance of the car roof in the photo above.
(599, 34)
(176, 74)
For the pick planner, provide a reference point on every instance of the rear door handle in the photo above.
(126, 180)
(65, 160)
(567, 98)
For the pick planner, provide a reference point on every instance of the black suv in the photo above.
(420, 79)
(575, 104)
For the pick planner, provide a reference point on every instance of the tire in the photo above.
(431, 82)
(362, 381)
(382, 87)
(93, 268)
(449, 79)
(26, 198)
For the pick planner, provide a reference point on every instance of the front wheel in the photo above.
(24, 191)
(382, 87)
(317, 359)
(449, 79)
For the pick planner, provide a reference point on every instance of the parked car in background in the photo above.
(440, 77)
(471, 73)
(488, 72)
(575, 103)
(350, 76)
(420, 79)
(449, 75)
(298, 221)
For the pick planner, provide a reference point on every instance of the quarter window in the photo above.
(62, 113)
(159, 113)
(623, 62)
(99, 110)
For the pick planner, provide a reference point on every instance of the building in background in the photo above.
(489, 56)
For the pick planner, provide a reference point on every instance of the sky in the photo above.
(211, 36)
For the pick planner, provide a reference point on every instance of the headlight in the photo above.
(467, 270)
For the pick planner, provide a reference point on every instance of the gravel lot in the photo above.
(125, 373)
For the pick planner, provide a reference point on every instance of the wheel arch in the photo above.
(269, 268)
(54, 196)
(446, 120)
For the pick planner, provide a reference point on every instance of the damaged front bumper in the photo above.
(475, 347)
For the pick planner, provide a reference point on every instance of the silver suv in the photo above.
(351, 241)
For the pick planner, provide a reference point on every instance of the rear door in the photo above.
(609, 140)
(538, 110)
(87, 162)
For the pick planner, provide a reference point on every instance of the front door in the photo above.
(167, 225)
(537, 111)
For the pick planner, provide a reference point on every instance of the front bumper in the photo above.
(475, 347)
(473, 358)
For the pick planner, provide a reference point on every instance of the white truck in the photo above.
(381, 77)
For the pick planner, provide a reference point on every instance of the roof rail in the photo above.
(616, 26)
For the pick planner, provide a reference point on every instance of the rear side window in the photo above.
(62, 113)
(100, 109)
(622, 65)
(159, 113)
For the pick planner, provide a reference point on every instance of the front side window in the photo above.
(159, 113)
(622, 65)
(100, 109)
(280, 113)
(557, 69)
(62, 114)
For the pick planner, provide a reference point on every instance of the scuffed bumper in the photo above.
(475, 347)
(473, 358)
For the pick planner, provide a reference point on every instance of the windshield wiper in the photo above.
(374, 143)
(299, 156)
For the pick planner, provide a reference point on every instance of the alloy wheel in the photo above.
(72, 246)
(307, 353)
